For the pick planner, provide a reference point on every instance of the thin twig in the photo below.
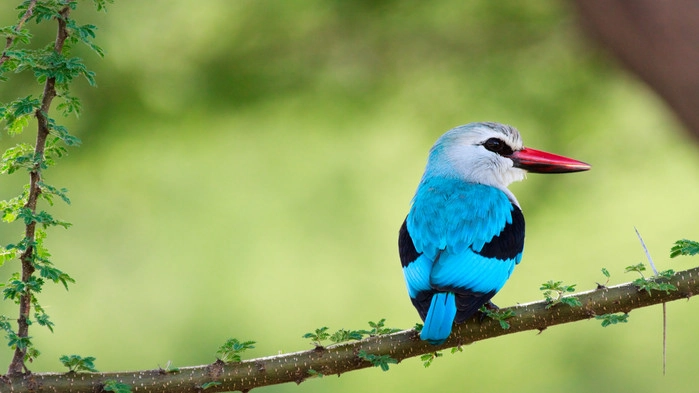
(652, 265)
(11, 38)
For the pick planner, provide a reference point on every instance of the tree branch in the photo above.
(10, 38)
(17, 365)
(341, 358)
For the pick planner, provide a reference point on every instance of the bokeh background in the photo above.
(246, 166)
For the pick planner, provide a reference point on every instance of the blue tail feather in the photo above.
(440, 318)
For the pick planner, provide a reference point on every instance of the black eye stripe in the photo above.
(498, 146)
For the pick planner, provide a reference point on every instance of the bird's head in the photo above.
(492, 154)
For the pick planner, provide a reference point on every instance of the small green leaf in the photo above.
(378, 329)
(650, 284)
(428, 358)
(116, 387)
(231, 350)
(684, 247)
(76, 363)
(635, 268)
(605, 272)
(343, 335)
(381, 361)
(43, 320)
(557, 288)
(613, 319)
(101, 5)
(500, 316)
(571, 301)
(207, 385)
(320, 334)
(14, 341)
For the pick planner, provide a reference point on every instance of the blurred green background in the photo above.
(246, 166)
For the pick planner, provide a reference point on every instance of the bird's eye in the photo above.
(498, 146)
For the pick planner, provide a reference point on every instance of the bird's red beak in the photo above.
(537, 161)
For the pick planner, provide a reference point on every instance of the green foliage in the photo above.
(377, 360)
(556, 288)
(613, 319)
(343, 335)
(116, 387)
(639, 268)
(428, 358)
(314, 374)
(20, 156)
(231, 350)
(606, 274)
(378, 328)
(500, 316)
(684, 247)
(76, 363)
(318, 336)
(650, 284)
(50, 64)
(655, 283)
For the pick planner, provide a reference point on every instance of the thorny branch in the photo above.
(337, 359)
(17, 365)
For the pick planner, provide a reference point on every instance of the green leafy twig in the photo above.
(51, 66)
(500, 316)
(612, 319)
(556, 288)
(606, 274)
(684, 247)
(378, 328)
(377, 360)
(231, 350)
(654, 283)
(318, 336)
(344, 335)
(428, 358)
(77, 363)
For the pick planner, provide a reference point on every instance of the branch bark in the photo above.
(341, 358)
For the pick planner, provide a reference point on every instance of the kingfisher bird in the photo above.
(464, 232)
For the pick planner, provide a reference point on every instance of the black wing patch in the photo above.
(406, 247)
(467, 303)
(509, 243)
(422, 302)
